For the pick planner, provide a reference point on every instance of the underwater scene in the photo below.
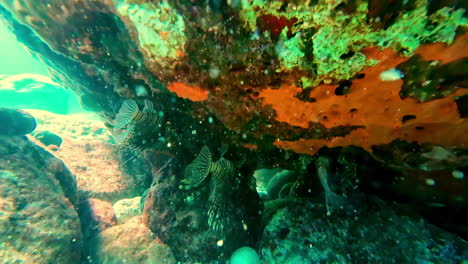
(233, 131)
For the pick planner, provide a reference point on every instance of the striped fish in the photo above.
(223, 175)
(222, 181)
(197, 171)
(136, 128)
(130, 114)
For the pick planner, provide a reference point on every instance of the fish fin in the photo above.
(119, 136)
(218, 216)
(197, 171)
(127, 112)
(224, 149)
(251, 183)
(148, 107)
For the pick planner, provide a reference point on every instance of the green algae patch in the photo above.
(290, 51)
(414, 28)
(8, 175)
(339, 37)
(159, 27)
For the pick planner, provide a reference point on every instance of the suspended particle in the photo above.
(391, 75)
(430, 182)
(458, 174)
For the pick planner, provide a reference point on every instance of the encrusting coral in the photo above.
(374, 107)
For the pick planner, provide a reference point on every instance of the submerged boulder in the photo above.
(127, 208)
(306, 234)
(48, 138)
(16, 122)
(39, 222)
(131, 242)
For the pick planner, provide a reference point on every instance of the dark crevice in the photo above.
(343, 88)
(462, 105)
(407, 118)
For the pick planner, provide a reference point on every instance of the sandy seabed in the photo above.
(87, 150)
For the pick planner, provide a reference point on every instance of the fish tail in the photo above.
(148, 107)
(333, 201)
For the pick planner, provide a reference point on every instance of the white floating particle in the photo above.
(214, 72)
(458, 174)
(194, 132)
(220, 243)
(430, 182)
(391, 75)
(140, 90)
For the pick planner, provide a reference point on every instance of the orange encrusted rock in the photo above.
(375, 106)
(189, 92)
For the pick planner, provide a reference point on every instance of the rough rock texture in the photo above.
(380, 235)
(87, 150)
(127, 208)
(48, 138)
(16, 122)
(101, 213)
(181, 217)
(131, 242)
(38, 197)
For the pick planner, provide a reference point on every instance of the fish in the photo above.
(197, 171)
(222, 182)
(130, 114)
(333, 201)
(136, 128)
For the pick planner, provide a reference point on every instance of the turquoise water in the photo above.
(25, 82)
(15, 59)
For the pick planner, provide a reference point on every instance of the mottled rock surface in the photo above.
(48, 138)
(131, 242)
(88, 152)
(127, 208)
(16, 122)
(101, 213)
(379, 235)
(38, 219)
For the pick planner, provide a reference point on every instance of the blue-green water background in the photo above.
(16, 60)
